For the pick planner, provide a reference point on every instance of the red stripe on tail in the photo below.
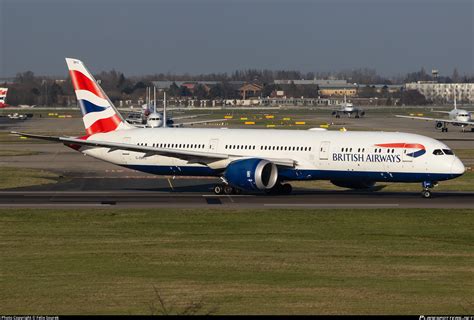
(104, 125)
(81, 82)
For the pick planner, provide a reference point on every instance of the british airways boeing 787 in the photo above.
(255, 159)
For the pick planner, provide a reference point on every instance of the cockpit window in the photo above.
(448, 151)
(438, 152)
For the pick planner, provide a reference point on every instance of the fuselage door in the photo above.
(126, 153)
(213, 145)
(324, 150)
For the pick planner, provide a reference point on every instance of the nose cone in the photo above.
(457, 168)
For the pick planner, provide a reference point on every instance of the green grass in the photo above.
(237, 262)
(22, 177)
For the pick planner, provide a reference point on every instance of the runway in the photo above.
(301, 199)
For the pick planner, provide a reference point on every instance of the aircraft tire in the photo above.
(218, 189)
(286, 188)
(426, 194)
(228, 190)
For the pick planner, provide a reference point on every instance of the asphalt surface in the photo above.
(197, 193)
(150, 199)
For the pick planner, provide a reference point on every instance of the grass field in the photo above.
(22, 177)
(236, 262)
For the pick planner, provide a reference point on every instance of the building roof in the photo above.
(166, 84)
(312, 81)
(251, 86)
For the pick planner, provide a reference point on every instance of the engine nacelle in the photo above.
(354, 184)
(252, 174)
(439, 125)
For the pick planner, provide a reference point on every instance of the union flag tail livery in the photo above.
(99, 114)
(3, 97)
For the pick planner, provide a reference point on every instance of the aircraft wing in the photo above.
(188, 155)
(439, 111)
(196, 122)
(189, 116)
(438, 120)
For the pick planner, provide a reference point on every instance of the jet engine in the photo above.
(353, 184)
(252, 174)
(439, 125)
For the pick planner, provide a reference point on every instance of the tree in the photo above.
(413, 97)
(455, 77)
(292, 90)
(367, 92)
(268, 89)
(200, 92)
(174, 90)
(184, 92)
(216, 92)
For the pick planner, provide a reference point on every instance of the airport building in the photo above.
(444, 91)
(327, 87)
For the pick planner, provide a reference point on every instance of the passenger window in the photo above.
(438, 152)
(448, 152)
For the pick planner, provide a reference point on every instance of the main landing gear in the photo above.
(223, 188)
(427, 185)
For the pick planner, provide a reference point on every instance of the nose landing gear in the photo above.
(427, 185)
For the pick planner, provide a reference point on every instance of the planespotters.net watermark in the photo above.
(29, 318)
(446, 318)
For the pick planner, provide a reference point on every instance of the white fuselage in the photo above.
(328, 155)
(460, 115)
(348, 107)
